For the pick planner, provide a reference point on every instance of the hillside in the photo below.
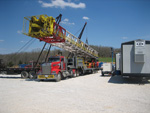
(25, 57)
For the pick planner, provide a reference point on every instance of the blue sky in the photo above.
(109, 22)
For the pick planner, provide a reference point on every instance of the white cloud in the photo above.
(19, 32)
(62, 4)
(86, 18)
(1, 40)
(23, 41)
(66, 22)
(124, 38)
(66, 19)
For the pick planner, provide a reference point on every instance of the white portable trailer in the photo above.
(134, 59)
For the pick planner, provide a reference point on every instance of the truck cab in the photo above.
(56, 68)
(58, 63)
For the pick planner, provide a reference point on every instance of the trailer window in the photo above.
(53, 60)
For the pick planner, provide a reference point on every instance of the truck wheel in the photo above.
(72, 74)
(24, 74)
(81, 72)
(58, 77)
(32, 75)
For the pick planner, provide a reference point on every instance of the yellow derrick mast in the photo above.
(45, 29)
(40, 27)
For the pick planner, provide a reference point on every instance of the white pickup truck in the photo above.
(107, 68)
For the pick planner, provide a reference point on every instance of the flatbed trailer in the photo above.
(25, 72)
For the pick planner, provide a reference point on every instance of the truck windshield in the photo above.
(53, 60)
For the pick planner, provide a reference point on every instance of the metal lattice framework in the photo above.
(76, 46)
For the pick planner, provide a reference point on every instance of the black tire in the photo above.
(102, 73)
(81, 72)
(24, 74)
(59, 77)
(32, 75)
(113, 73)
(3, 72)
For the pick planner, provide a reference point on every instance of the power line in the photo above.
(26, 45)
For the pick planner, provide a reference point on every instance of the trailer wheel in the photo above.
(41, 80)
(102, 73)
(58, 77)
(3, 72)
(24, 74)
(80, 73)
(83, 71)
(32, 75)
(77, 73)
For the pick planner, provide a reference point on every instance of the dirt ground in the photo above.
(85, 94)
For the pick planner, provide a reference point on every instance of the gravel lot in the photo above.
(85, 94)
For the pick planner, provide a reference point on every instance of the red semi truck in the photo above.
(60, 67)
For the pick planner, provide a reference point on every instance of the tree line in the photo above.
(26, 57)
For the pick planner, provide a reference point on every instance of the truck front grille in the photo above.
(46, 68)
